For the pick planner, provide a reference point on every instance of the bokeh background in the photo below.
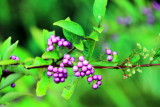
(126, 23)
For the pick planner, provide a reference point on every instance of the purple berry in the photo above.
(52, 36)
(89, 66)
(99, 82)
(64, 71)
(47, 49)
(65, 61)
(62, 40)
(79, 64)
(16, 58)
(13, 85)
(55, 69)
(109, 58)
(65, 75)
(108, 51)
(56, 80)
(72, 59)
(65, 43)
(70, 46)
(77, 74)
(89, 79)
(69, 63)
(84, 68)
(49, 43)
(114, 53)
(49, 73)
(55, 75)
(82, 74)
(81, 58)
(50, 47)
(85, 62)
(88, 72)
(58, 38)
(75, 68)
(49, 40)
(95, 77)
(62, 79)
(60, 43)
(66, 56)
(94, 86)
(54, 40)
(61, 65)
(60, 69)
(50, 68)
(92, 71)
(99, 77)
(13, 57)
(60, 75)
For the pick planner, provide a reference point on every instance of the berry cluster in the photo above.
(149, 15)
(15, 58)
(124, 20)
(83, 68)
(58, 73)
(96, 78)
(57, 40)
(67, 60)
(110, 54)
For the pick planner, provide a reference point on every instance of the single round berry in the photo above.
(72, 59)
(67, 56)
(81, 58)
(49, 73)
(60, 69)
(65, 43)
(92, 71)
(65, 75)
(109, 58)
(82, 74)
(114, 53)
(108, 51)
(75, 68)
(58, 38)
(50, 47)
(65, 61)
(69, 63)
(84, 68)
(89, 66)
(55, 69)
(60, 43)
(52, 36)
(95, 77)
(85, 62)
(62, 40)
(60, 75)
(89, 79)
(61, 65)
(77, 74)
(13, 85)
(50, 68)
(99, 82)
(49, 43)
(64, 71)
(79, 64)
(56, 80)
(17, 58)
(55, 75)
(94, 86)
(99, 77)
(54, 40)
(62, 79)
(88, 72)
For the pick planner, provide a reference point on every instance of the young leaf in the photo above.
(98, 29)
(46, 36)
(42, 86)
(94, 35)
(8, 62)
(99, 8)
(89, 45)
(70, 26)
(79, 45)
(10, 50)
(50, 55)
(4, 47)
(19, 69)
(68, 90)
(11, 96)
(10, 79)
(70, 36)
(135, 58)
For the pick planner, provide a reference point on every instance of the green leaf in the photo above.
(94, 35)
(4, 47)
(79, 45)
(19, 69)
(71, 37)
(8, 62)
(135, 58)
(102, 63)
(99, 8)
(39, 62)
(89, 45)
(69, 89)
(70, 26)
(10, 50)
(46, 36)
(11, 96)
(42, 86)
(37, 36)
(10, 79)
(98, 29)
(51, 55)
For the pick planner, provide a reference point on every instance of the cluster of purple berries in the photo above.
(83, 68)
(57, 40)
(124, 20)
(96, 78)
(67, 60)
(156, 5)
(110, 54)
(149, 15)
(14, 58)
(58, 73)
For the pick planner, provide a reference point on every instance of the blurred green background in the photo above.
(23, 19)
